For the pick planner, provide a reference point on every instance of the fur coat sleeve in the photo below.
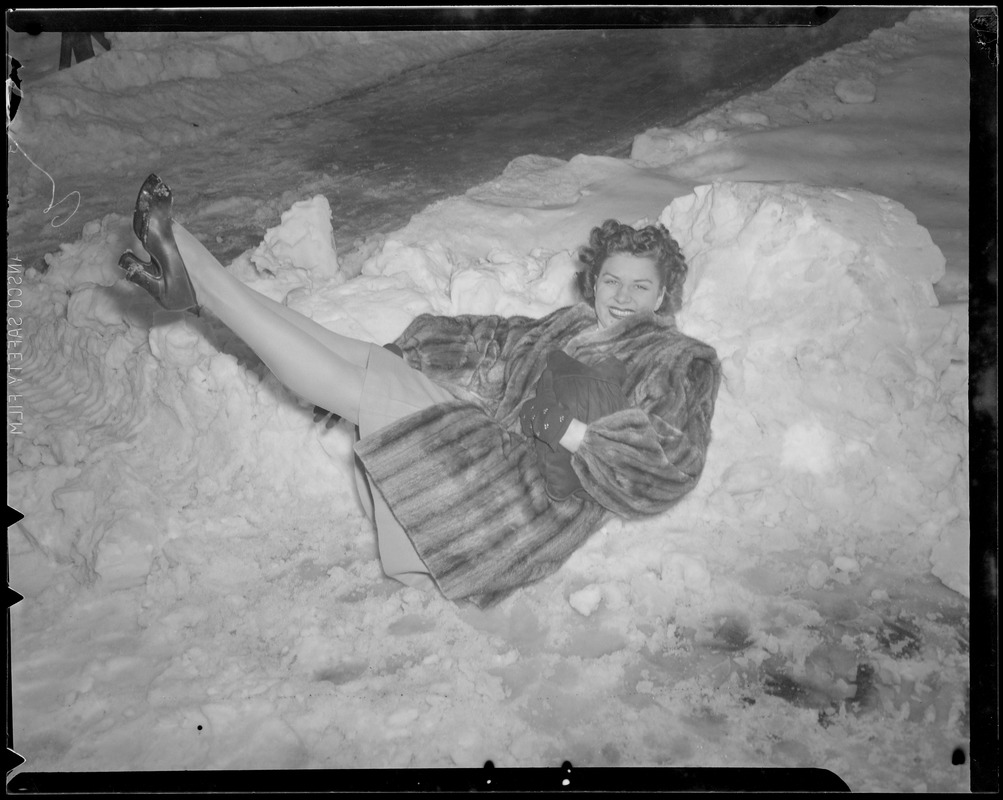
(468, 351)
(641, 460)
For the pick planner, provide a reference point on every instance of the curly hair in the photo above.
(653, 241)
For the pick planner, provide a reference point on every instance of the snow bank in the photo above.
(138, 413)
(803, 129)
(844, 403)
(842, 377)
(175, 88)
(203, 592)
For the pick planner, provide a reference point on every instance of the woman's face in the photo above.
(627, 284)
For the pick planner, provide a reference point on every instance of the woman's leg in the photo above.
(325, 368)
(349, 348)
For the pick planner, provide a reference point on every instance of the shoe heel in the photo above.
(138, 272)
(164, 276)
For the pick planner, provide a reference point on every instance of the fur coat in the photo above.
(462, 479)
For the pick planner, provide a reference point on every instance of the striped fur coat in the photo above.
(464, 482)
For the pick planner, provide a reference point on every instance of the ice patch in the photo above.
(855, 90)
(586, 601)
(751, 119)
(667, 145)
(170, 88)
(818, 574)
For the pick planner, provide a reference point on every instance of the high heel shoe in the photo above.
(164, 276)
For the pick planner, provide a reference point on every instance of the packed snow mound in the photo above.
(303, 241)
(841, 251)
(142, 417)
(843, 403)
(226, 607)
(842, 377)
(142, 58)
(139, 58)
(671, 145)
(297, 265)
(138, 413)
(829, 118)
(279, 73)
(542, 204)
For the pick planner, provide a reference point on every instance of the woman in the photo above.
(494, 446)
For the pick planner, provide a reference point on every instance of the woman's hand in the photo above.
(552, 424)
(544, 416)
(546, 419)
(573, 436)
(320, 413)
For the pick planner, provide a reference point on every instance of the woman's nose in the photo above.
(622, 295)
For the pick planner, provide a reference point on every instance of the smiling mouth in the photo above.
(620, 313)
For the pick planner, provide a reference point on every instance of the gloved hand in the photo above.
(543, 415)
(319, 414)
(573, 390)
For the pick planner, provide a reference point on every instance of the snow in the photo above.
(179, 88)
(302, 243)
(202, 589)
(858, 90)
(836, 359)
